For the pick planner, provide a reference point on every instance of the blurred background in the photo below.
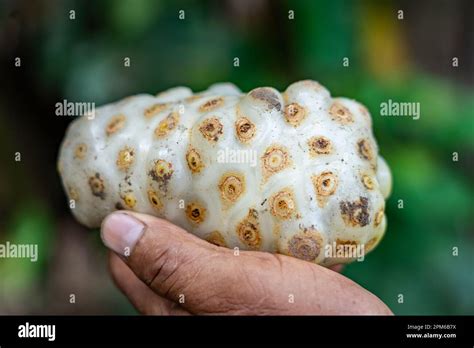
(407, 59)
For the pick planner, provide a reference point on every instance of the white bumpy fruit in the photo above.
(296, 173)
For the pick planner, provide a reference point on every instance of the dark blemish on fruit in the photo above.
(125, 158)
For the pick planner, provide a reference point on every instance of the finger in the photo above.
(140, 295)
(207, 279)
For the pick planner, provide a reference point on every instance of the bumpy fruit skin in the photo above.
(317, 181)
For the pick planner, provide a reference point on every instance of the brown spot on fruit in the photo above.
(161, 172)
(193, 98)
(368, 182)
(125, 158)
(80, 151)
(282, 204)
(96, 183)
(325, 184)
(211, 104)
(245, 129)
(268, 96)
(365, 113)
(155, 200)
(155, 109)
(276, 235)
(248, 230)
(216, 238)
(319, 146)
(306, 245)
(363, 110)
(294, 114)
(167, 125)
(195, 212)
(365, 149)
(193, 159)
(340, 113)
(379, 217)
(162, 169)
(346, 248)
(60, 167)
(371, 244)
(211, 129)
(129, 200)
(231, 187)
(275, 159)
(311, 84)
(115, 124)
(356, 213)
(346, 242)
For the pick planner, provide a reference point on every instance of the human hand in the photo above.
(165, 270)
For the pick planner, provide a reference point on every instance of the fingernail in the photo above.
(120, 232)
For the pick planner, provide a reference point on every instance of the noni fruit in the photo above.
(296, 173)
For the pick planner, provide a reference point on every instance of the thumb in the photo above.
(204, 278)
